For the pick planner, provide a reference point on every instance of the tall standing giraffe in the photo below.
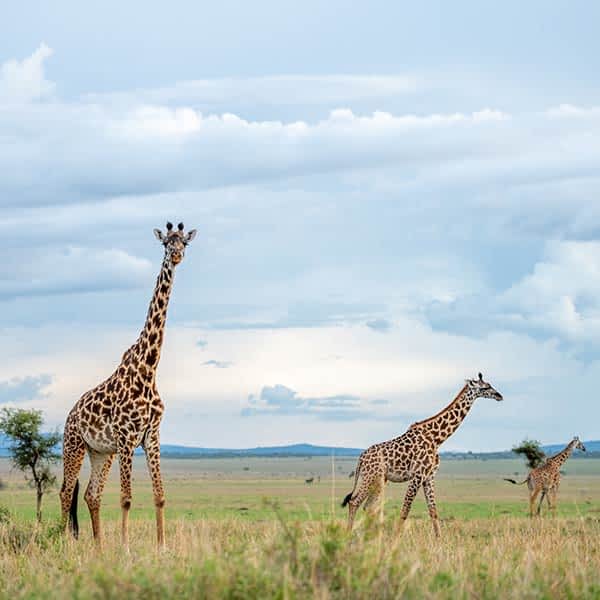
(413, 456)
(546, 477)
(124, 411)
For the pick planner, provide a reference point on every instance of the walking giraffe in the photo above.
(413, 456)
(123, 412)
(546, 477)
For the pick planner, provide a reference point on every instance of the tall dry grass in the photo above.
(495, 558)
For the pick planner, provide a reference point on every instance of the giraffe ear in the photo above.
(158, 234)
(190, 235)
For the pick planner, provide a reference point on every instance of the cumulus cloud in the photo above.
(24, 81)
(315, 231)
(558, 298)
(86, 150)
(24, 389)
(561, 294)
(283, 401)
(72, 270)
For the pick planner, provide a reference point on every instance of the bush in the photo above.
(532, 452)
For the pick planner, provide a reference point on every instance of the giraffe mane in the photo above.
(445, 409)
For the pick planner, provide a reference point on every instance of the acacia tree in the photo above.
(532, 452)
(31, 451)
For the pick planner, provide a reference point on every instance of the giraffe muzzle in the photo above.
(176, 258)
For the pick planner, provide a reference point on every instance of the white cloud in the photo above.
(570, 110)
(562, 293)
(72, 270)
(327, 372)
(278, 90)
(314, 230)
(24, 81)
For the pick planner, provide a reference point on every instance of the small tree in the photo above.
(31, 450)
(532, 452)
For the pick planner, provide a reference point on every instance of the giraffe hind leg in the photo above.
(532, 498)
(100, 464)
(73, 453)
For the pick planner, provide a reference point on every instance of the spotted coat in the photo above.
(124, 411)
(545, 479)
(413, 457)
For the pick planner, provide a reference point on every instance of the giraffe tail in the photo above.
(515, 482)
(73, 522)
(349, 496)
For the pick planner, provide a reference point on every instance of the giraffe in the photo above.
(413, 456)
(123, 412)
(546, 477)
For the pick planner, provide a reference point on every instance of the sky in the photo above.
(389, 198)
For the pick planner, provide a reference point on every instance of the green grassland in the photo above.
(252, 528)
(247, 488)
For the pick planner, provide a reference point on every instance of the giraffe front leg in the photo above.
(125, 465)
(552, 500)
(411, 492)
(152, 448)
(100, 464)
(354, 504)
(429, 491)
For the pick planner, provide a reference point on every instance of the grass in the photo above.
(290, 541)
(230, 558)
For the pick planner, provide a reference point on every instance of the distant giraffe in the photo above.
(413, 456)
(124, 411)
(546, 477)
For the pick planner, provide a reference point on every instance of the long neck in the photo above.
(150, 341)
(562, 456)
(442, 425)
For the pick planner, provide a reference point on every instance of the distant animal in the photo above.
(413, 456)
(351, 474)
(124, 411)
(545, 479)
(309, 480)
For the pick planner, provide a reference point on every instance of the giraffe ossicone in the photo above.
(413, 457)
(124, 411)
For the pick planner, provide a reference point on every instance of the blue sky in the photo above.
(389, 199)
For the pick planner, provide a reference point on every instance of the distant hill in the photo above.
(175, 451)
(291, 450)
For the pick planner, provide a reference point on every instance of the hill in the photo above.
(175, 451)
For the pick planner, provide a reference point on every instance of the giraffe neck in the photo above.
(149, 344)
(442, 425)
(562, 456)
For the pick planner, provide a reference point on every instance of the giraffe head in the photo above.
(578, 444)
(175, 242)
(482, 389)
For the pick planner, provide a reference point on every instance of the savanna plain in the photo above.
(254, 528)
